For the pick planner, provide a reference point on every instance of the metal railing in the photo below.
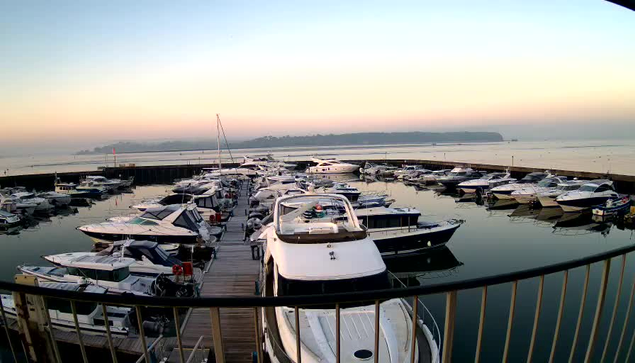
(371, 298)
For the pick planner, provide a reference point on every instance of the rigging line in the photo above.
(225, 138)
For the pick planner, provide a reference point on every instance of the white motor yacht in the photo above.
(491, 180)
(112, 273)
(206, 204)
(458, 175)
(8, 219)
(26, 201)
(312, 250)
(331, 166)
(529, 194)
(548, 198)
(172, 224)
(504, 191)
(90, 316)
(591, 194)
(351, 193)
(149, 258)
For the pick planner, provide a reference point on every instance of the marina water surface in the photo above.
(493, 240)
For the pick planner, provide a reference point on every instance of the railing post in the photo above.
(113, 352)
(580, 313)
(6, 330)
(448, 334)
(337, 334)
(142, 335)
(628, 316)
(618, 293)
(217, 335)
(534, 331)
(258, 335)
(298, 340)
(598, 310)
(80, 339)
(556, 333)
(510, 321)
(413, 342)
(177, 326)
(377, 330)
(481, 325)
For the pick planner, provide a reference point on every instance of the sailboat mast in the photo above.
(220, 165)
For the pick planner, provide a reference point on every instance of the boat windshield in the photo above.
(142, 221)
(117, 275)
(291, 287)
(317, 219)
(547, 183)
(588, 188)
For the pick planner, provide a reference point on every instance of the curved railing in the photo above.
(375, 297)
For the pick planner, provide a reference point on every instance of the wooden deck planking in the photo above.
(233, 273)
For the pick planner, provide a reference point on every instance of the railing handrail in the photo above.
(309, 300)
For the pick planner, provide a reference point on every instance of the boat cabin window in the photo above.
(185, 221)
(389, 221)
(158, 214)
(206, 202)
(603, 188)
(64, 306)
(291, 287)
(176, 199)
(117, 275)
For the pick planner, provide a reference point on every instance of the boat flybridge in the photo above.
(311, 250)
(331, 166)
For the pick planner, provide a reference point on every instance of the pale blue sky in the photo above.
(70, 68)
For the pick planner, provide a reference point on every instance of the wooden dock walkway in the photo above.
(234, 273)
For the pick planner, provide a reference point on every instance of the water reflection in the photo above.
(416, 270)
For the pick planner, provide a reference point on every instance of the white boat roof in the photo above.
(92, 262)
(314, 262)
(69, 286)
(384, 211)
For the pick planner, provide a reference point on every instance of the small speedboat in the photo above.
(613, 206)
(90, 316)
(8, 220)
(457, 176)
(351, 193)
(591, 194)
(504, 191)
(56, 199)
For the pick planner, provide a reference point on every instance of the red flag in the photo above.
(113, 151)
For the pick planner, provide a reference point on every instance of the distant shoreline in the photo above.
(341, 140)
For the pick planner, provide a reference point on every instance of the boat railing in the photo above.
(595, 340)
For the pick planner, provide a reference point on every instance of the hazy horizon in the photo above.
(74, 75)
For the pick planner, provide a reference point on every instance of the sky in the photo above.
(80, 73)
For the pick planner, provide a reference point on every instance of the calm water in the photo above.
(596, 156)
(490, 242)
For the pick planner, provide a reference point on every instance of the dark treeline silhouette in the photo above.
(365, 138)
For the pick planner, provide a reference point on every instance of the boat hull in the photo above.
(547, 202)
(161, 239)
(401, 241)
(577, 205)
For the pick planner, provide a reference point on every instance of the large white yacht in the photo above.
(548, 198)
(488, 181)
(206, 204)
(313, 250)
(331, 166)
(172, 224)
(504, 191)
(529, 194)
(591, 194)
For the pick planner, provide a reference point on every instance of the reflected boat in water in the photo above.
(414, 270)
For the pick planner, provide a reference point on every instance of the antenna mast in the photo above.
(220, 165)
